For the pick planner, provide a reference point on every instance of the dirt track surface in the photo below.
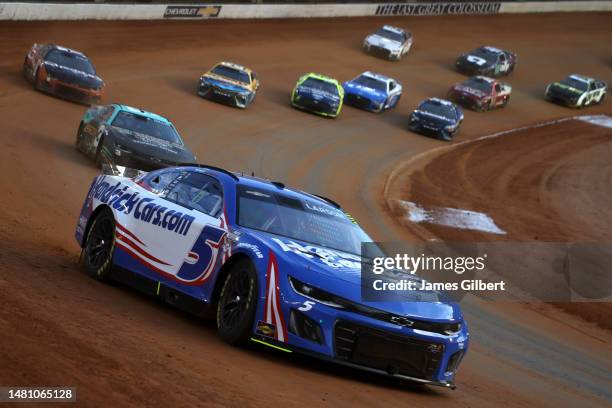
(60, 328)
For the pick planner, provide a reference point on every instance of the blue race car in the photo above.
(372, 92)
(276, 266)
(436, 117)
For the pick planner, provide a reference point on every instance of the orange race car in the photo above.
(63, 72)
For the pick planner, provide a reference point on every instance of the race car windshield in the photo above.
(231, 73)
(371, 83)
(437, 109)
(70, 60)
(148, 126)
(302, 219)
(390, 35)
(318, 84)
(486, 55)
(576, 84)
(483, 86)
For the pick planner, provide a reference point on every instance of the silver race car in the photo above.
(388, 42)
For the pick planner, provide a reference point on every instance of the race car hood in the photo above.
(339, 273)
(225, 83)
(73, 76)
(316, 94)
(566, 89)
(358, 89)
(469, 91)
(383, 42)
(145, 145)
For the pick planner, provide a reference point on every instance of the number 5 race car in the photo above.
(63, 72)
(278, 266)
(481, 93)
(577, 91)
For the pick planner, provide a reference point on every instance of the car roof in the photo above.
(493, 50)
(66, 49)
(394, 29)
(142, 112)
(439, 100)
(233, 65)
(374, 75)
(581, 78)
(321, 77)
(261, 184)
(481, 78)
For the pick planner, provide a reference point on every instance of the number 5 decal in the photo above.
(306, 306)
(203, 256)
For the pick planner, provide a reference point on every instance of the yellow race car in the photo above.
(229, 83)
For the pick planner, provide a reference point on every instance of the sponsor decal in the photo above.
(428, 9)
(265, 329)
(145, 209)
(192, 11)
(332, 258)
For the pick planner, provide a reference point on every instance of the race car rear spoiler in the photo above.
(111, 169)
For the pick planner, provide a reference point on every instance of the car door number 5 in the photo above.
(306, 306)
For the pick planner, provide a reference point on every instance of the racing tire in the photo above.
(505, 102)
(98, 156)
(237, 304)
(79, 138)
(37, 81)
(601, 99)
(97, 255)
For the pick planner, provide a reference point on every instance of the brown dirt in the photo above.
(60, 328)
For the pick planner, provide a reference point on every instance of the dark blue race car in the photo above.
(277, 266)
(436, 117)
(372, 92)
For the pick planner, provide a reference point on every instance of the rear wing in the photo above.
(111, 169)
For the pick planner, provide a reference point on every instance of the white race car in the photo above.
(577, 91)
(389, 42)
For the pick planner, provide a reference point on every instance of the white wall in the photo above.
(92, 11)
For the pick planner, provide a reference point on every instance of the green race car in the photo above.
(318, 94)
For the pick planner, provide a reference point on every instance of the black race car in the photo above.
(488, 61)
(63, 72)
(124, 136)
(436, 117)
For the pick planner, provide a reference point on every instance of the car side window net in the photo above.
(197, 191)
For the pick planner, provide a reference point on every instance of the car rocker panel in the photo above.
(372, 92)
(389, 42)
(318, 94)
(100, 138)
(217, 84)
(47, 67)
(480, 93)
(308, 298)
(437, 117)
(577, 91)
(486, 60)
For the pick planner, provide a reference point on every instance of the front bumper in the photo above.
(439, 133)
(218, 94)
(366, 343)
(363, 102)
(381, 52)
(71, 92)
(315, 106)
